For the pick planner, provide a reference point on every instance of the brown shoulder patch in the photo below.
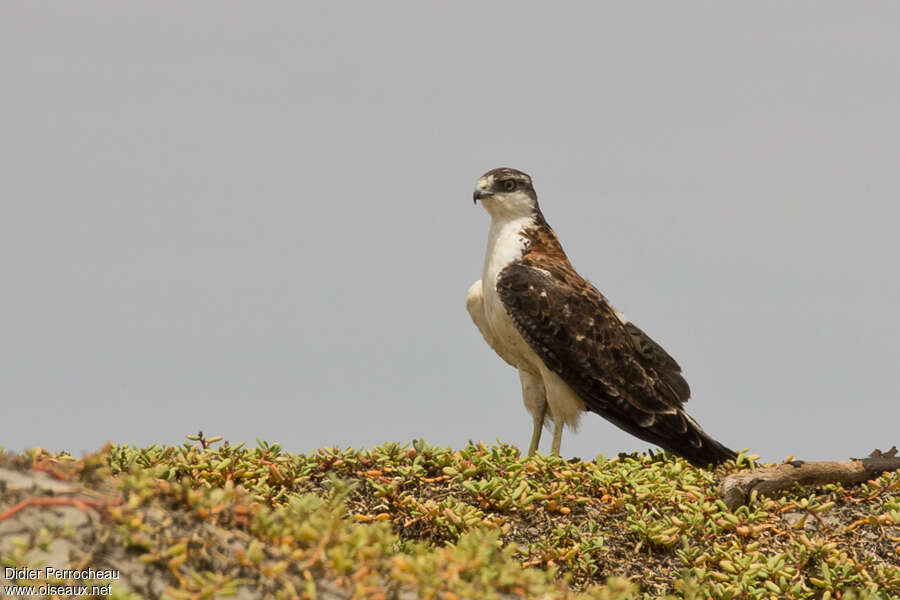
(542, 246)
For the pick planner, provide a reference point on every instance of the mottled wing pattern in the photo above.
(616, 369)
(660, 361)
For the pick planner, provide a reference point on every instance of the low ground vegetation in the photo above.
(210, 519)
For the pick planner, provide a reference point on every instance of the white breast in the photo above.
(506, 244)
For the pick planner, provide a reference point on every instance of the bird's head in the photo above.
(506, 193)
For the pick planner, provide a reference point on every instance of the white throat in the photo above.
(506, 243)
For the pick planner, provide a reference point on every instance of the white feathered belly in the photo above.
(507, 335)
(506, 244)
(563, 402)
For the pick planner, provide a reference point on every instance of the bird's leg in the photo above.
(538, 427)
(557, 436)
(535, 399)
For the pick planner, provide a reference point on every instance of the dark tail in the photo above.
(679, 434)
(709, 452)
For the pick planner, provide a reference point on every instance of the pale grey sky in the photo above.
(257, 219)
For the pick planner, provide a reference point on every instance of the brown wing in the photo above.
(659, 360)
(617, 370)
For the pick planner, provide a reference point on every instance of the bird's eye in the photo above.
(509, 185)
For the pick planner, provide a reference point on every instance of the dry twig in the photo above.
(735, 489)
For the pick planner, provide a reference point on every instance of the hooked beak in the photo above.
(478, 195)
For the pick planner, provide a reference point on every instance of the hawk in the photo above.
(574, 351)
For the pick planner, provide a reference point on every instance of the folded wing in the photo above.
(618, 371)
